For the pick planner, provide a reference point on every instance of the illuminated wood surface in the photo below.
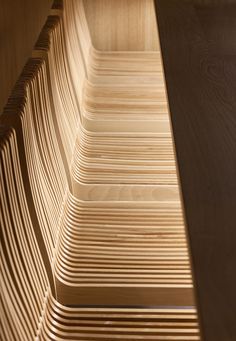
(132, 28)
(91, 213)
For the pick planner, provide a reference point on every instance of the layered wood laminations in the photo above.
(199, 52)
(93, 244)
(20, 25)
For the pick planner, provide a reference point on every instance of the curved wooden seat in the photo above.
(90, 206)
(114, 253)
(28, 309)
(118, 324)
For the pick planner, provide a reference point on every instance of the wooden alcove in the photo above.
(94, 245)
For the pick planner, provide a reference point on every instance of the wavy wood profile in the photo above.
(90, 206)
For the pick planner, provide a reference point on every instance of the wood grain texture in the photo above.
(126, 25)
(20, 25)
(199, 51)
(90, 214)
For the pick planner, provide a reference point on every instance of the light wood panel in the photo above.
(123, 25)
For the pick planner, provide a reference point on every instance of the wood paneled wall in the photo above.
(122, 25)
(199, 57)
(20, 24)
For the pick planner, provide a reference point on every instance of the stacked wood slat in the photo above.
(90, 207)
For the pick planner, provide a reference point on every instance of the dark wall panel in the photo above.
(198, 42)
(20, 24)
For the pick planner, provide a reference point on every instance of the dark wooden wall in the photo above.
(20, 25)
(198, 41)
